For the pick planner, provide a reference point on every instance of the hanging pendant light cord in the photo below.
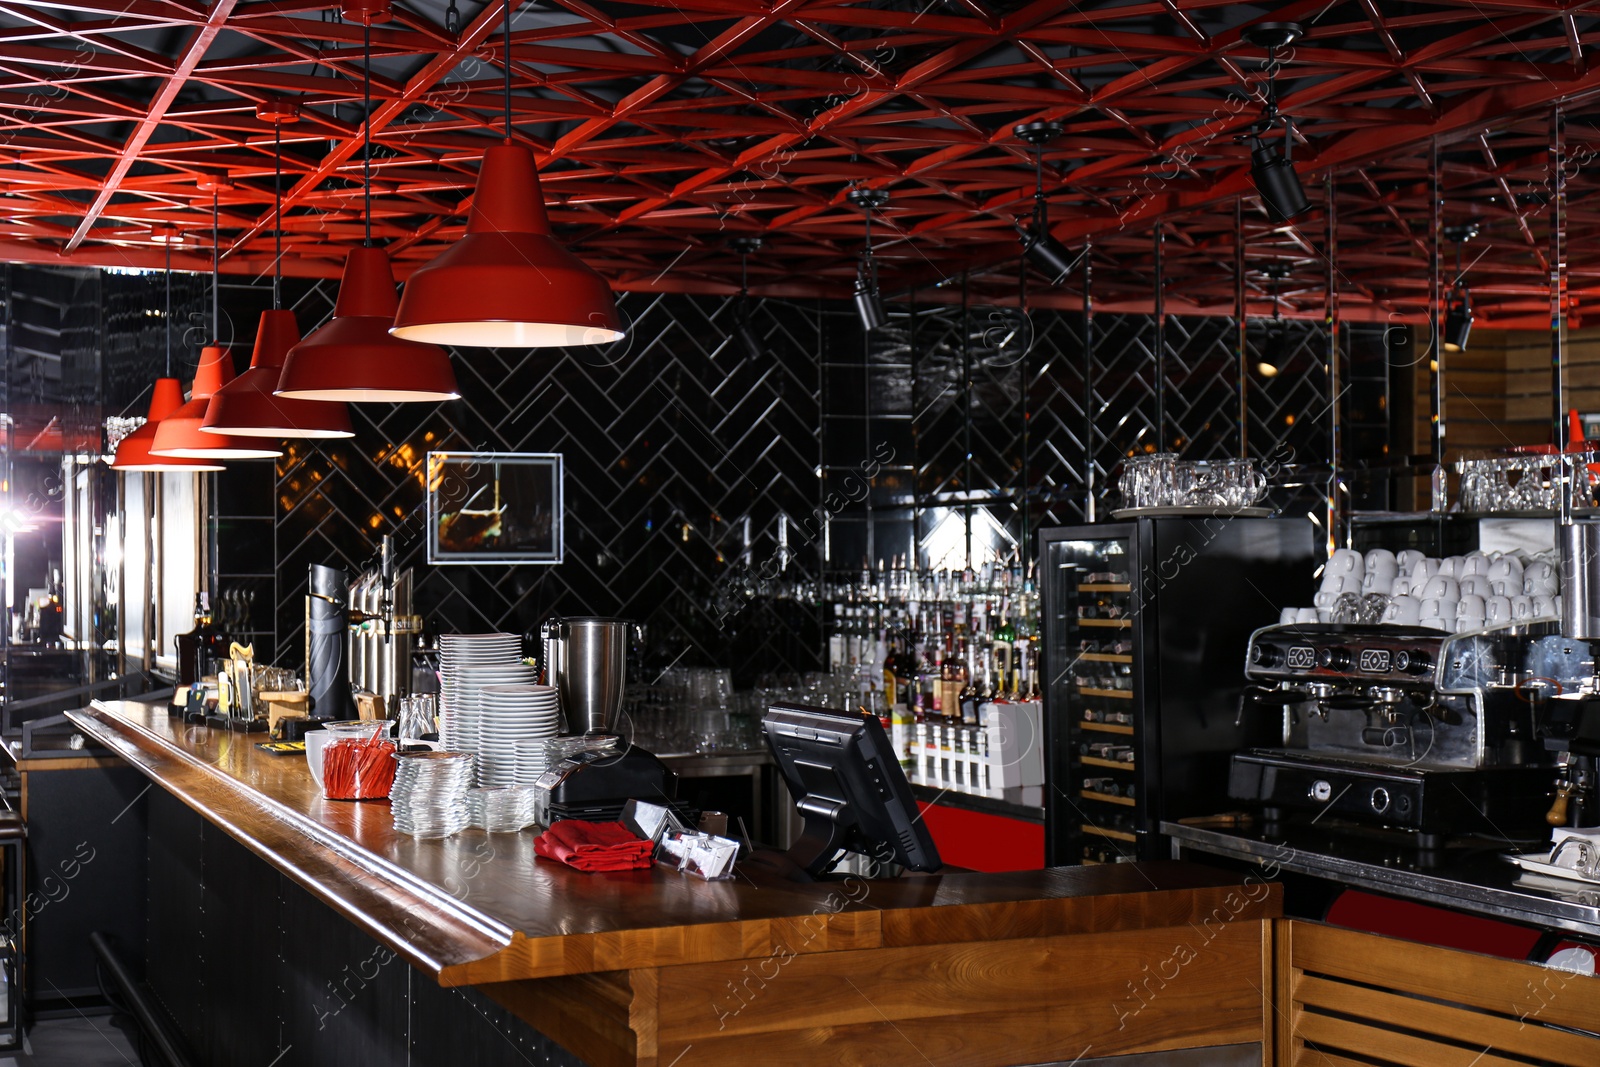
(869, 266)
(277, 216)
(366, 152)
(1039, 215)
(507, 65)
(216, 269)
(167, 315)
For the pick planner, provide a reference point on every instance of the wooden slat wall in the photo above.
(1357, 998)
(1498, 391)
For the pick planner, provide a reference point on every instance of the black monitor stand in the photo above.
(846, 782)
(810, 858)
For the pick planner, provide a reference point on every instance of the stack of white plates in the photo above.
(463, 718)
(531, 761)
(467, 663)
(513, 719)
(501, 809)
(429, 795)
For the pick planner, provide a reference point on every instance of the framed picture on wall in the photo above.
(494, 507)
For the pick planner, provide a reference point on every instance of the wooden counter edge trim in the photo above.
(755, 939)
(39, 765)
(343, 863)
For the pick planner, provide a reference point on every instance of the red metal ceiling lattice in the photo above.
(664, 127)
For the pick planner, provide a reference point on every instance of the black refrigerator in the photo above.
(1146, 623)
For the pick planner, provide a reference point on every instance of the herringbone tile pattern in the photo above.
(681, 452)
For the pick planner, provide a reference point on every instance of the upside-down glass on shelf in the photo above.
(1160, 479)
(358, 762)
(1528, 480)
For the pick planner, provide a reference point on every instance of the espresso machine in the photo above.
(585, 659)
(1409, 728)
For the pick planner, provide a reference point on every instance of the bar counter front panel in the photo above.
(645, 966)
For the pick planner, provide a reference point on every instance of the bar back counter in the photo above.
(276, 917)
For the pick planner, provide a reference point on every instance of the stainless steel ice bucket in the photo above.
(1580, 579)
(590, 659)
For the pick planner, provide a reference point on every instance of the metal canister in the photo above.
(1580, 578)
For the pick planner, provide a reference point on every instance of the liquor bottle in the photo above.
(836, 656)
(972, 687)
(905, 665)
(950, 681)
(198, 648)
(1031, 669)
(891, 665)
(1005, 639)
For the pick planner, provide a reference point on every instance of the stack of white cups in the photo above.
(1453, 594)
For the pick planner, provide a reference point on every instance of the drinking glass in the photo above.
(1348, 608)
(1373, 608)
(1242, 485)
(1198, 485)
(417, 717)
(1477, 484)
(1150, 480)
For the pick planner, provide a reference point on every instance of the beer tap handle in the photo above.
(386, 579)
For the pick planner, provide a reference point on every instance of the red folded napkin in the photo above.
(593, 846)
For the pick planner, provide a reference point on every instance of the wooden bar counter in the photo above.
(654, 967)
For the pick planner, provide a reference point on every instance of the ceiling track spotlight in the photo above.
(744, 333)
(1049, 256)
(869, 302)
(1458, 305)
(1273, 173)
(1275, 346)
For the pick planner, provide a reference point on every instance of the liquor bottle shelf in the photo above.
(1096, 761)
(1107, 728)
(1090, 794)
(1105, 657)
(1106, 587)
(1118, 624)
(1117, 694)
(1115, 835)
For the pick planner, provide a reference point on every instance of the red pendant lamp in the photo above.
(180, 434)
(133, 451)
(353, 356)
(508, 282)
(246, 406)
